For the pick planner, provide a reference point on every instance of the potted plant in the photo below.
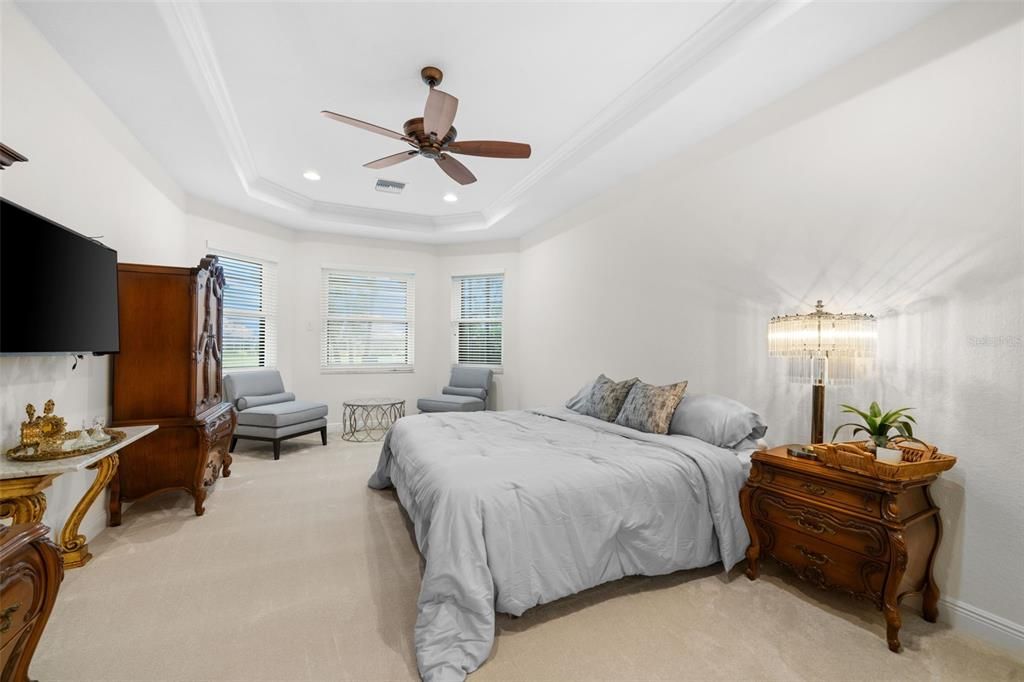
(878, 426)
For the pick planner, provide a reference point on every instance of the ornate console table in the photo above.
(22, 485)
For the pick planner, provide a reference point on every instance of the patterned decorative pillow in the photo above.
(650, 408)
(607, 396)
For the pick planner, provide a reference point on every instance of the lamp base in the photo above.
(818, 413)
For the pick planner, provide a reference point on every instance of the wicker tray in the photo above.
(919, 461)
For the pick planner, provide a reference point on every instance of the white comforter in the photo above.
(515, 509)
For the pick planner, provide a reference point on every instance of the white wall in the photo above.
(891, 186)
(84, 170)
(88, 172)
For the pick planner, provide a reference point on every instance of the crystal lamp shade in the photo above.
(823, 347)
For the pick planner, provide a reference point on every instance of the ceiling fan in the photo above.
(432, 136)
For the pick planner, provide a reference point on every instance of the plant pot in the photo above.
(889, 455)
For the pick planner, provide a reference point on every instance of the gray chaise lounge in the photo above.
(267, 412)
(467, 391)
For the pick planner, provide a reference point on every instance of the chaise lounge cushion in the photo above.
(257, 382)
(243, 430)
(450, 403)
(277, 415)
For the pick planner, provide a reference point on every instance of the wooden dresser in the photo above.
(169, 373)
(871, 538)
(31, 571)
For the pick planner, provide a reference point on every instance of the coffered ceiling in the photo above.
(227, 95)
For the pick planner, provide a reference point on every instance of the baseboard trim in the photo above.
(984, 625)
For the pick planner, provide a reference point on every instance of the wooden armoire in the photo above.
(168, 373)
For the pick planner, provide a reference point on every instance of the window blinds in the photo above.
(477, 317)
(367, 321)
(250, 313)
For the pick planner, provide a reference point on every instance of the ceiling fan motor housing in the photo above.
(430, 148)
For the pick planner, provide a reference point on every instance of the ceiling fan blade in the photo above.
(455, 170)
(492, 148)
(367, 126)
(439, 114)
(391, 160)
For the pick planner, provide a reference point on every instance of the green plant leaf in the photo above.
(853, 410)
(856, 428)
(875, 411)
(910, 417)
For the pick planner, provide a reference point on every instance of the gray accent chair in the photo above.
(269, 413)
(467, 391)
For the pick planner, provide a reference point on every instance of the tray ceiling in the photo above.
(227, 95)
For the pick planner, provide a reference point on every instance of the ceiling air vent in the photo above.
(390, 186)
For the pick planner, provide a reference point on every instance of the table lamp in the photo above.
(822, 348)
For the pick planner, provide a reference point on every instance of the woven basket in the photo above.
(919, 460)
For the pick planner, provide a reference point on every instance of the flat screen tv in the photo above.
(58, 289)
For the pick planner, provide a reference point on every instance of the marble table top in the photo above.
(10, 468)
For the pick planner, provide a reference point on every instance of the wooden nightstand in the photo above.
(873, 539)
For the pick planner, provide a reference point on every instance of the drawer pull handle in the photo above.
(5, 617)
(814, 489)
(812, 525)
(816, 557)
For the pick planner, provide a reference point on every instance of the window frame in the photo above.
(456, 319)
(410, 320)
(268, 312)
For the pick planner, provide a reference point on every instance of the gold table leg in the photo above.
(22, 499)
(73, 543)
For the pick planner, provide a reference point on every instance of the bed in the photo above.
(515, 509)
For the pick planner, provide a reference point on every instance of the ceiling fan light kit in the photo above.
(432, 136)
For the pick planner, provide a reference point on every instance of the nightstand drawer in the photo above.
(857, 535)
(854, 499)
(825, 564)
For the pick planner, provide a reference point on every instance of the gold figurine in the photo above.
(46, 437)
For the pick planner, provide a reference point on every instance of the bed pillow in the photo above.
(607, 396)
(578, 403)
(717, 420)
(650, 408)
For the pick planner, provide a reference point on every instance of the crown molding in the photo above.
(724, 35)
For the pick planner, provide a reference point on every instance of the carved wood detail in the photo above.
(822, 523)
(178, 386)
(30, 577)
(844, 532)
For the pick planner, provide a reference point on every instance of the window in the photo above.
(250, 313)
(477, 316)
(367, 321)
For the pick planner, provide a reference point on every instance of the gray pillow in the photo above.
(578, 403)
(468, 392)
(607, 397)
(247, 401)
(650, 408)
(717, 420)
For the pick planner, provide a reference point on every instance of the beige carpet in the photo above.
(299, 572)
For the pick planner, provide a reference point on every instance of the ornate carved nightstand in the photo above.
(873, 539)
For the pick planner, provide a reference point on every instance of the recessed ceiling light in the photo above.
(450, 198)
(311, 175)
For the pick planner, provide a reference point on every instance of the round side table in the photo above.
(368, 419)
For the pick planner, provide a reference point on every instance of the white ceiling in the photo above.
(227, 95)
